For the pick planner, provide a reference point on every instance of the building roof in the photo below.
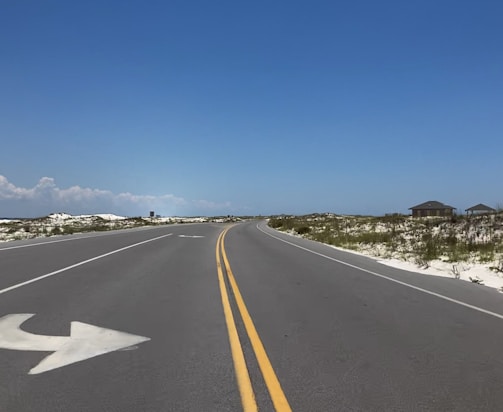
(431, 205)
(480, 208)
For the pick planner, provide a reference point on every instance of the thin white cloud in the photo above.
(46, 197)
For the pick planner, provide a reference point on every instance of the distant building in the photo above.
(432, 208)
(480, 209)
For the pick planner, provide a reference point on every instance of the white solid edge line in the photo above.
(63, 240)
(429, 292)
(45, 243)
(79, 264)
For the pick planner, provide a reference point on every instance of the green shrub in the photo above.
(372, 237)
(275, 223)
(302, 230)
(422, 240)
(69, 229)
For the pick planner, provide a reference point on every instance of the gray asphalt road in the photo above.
(340, 332)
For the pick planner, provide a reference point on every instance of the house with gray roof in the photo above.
(480, 209)
(432, 208)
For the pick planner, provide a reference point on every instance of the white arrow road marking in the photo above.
(193, 236)
(85, 341)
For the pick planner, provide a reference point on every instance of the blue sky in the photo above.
(263, 107)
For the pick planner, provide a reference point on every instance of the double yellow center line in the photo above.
(243, 378)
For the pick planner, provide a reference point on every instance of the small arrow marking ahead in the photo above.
(85, 341)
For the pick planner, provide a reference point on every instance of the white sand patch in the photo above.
(467, 271)
(60, 216)
(471, 272)
(105, 216)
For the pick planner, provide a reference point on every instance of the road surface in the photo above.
(215, 317)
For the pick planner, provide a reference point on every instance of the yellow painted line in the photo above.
(271, 380)
(242, 375)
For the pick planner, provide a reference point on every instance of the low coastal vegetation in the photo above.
(476, 239)
(64, 224)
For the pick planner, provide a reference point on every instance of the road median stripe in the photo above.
(242, 376)
(276, 393)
